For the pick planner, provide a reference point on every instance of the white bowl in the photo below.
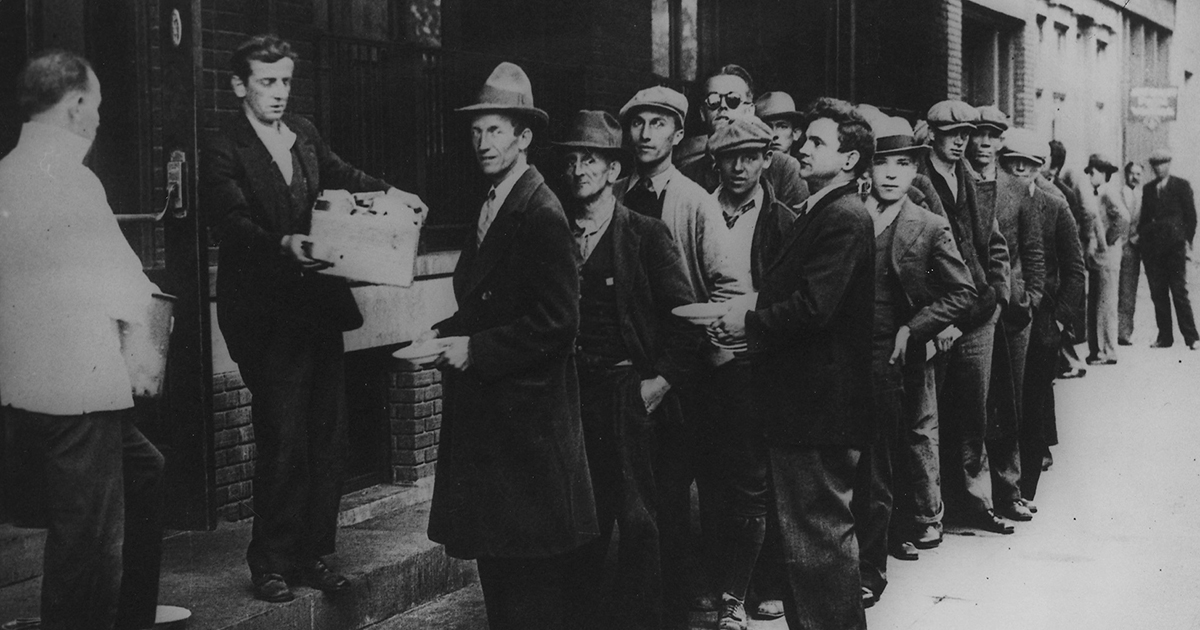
(420, 353)
(703, 313)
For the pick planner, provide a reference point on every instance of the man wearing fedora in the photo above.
(632, 353)
(985, 140)
(965, 370)
(653, 121)
(778, 110)
(512, 489)
(1104, 264)
(1165, 232)
(922, 286)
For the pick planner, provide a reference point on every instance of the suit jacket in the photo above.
(972, 216)
(783, 173)
(1168, 218)
(810, 334)
(1016, 211)
(1062, 299)
(249, 205)
(694, 218)
(775, 219)
(512, 477)
(937, 285)
(1132, 197)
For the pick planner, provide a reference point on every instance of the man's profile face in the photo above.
(821, 158)
(783, 135)
(85, 111)
(726, 98)
(950, 145)
(1019, 168)
(497, 144)
(981, 150)
(1161, 169)
(588, 173)
(891, 176)
(265, 92)
(653, 135)
(740, 170)
(1133, 176)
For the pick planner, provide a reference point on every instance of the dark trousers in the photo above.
(963, 412)
(917, 480)
(94, 481)
(299, 417)
(872, 504)
(1041, 367)
(812, 489)
(1166, 273)
(1005, 408)
(619, 438)
(1131, 273)
(524, 593)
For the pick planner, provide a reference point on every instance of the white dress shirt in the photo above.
(279, 140)
(67, 275)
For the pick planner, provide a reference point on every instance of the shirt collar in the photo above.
(658, 182)
(755, 200)
(948, 174)
(503, 188)
(55, 142)
(274, 136)
(598, 220)
(816, 197)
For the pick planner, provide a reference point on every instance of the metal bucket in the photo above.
(145, 347)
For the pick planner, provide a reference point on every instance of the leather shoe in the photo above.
(769, 609)
(1099, 361)
(1162, 344)
(930, 537)
(733, 613)
(1192, 345)
(317, 575)
(1074, 373)
(1047, 461)
(868, 597)
(271, 587)
(905, 550)
(1016, 511)
(989, 522)
(1124, 342)
(1029, 505)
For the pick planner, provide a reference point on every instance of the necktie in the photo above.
(642, 199)
(486, 215)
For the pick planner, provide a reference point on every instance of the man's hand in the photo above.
(456, 353)
(731, 328)
(297, 247)
(653, 391)
(409, 199)
(945, 339)
(428, 335)
(900, 351)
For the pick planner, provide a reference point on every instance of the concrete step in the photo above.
(461, 610)
(391, 564)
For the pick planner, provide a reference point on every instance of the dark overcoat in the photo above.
(810, 333)
(1168, 218)
(1016, 212)
(1062, 294)
(512, 477)
(250, 208)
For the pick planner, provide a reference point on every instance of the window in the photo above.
(675, 38)
(989, 46)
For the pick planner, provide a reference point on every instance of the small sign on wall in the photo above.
(1153, 105)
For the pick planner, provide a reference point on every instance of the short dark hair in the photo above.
(48, 77)
(734, 70)
(265, 48)
(1058, 154)
(1129, 166)
(854, 132)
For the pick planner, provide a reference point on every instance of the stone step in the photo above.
(461, 610)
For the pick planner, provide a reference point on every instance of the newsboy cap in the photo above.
(894, 135)
(992, 116)
(1023, 143)
(592, 129)
(507, 91)
(1159, 156)
(661, 98)
(776, 105)
(1102, 163)
(952, 115)
(742, 133)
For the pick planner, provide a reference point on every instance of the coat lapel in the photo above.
(800, 225)
(262, 175)
(625, 244)
(909, 227)
(500, 234)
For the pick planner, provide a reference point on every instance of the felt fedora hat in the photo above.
(509, 91)
(777, 105)
(894, 135)
(592, 129)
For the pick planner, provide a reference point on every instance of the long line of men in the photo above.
(895, 310)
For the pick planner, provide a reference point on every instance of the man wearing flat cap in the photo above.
(632, 353)
(513, 489)
(778, 110)
(965, 370)
(1165, 233)
(1104, 203)
(653, 121)
(985, 140)
(1131, 257)
(922, 286)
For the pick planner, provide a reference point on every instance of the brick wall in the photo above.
(233, 445)
(415, 418)
(952, 19)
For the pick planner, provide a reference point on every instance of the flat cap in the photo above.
(1023, 143)
(690, 150)
(992, 116)
(1159, 156)
(952, 115)
(661, 98)
(743, 133)
(894, 135)
(774, 105)
(873, 115)
(1102, 163)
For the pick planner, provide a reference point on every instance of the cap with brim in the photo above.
(691, 149)
(1160, 156)
(1023, 143)
(595, 130)
(952, 115)
(507, 91)
(659, 98)
(992, 117)
(894, 135)
(777, 106)
(740, 134)
(1102, 163)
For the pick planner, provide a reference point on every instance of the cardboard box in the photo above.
(374, 239)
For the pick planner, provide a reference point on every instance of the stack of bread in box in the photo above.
(367, 237)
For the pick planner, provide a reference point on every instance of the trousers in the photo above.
(1166, 273)
(962, 389)
(1102, 302)
(1130, 276)
(522, 593)
(917, 479)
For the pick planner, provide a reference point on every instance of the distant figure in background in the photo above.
(1070, 365)
(68, 282)
(1131, 259)
(778, 110)
(1165, 233)
(1104, 262)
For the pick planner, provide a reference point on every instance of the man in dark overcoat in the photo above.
(1166, 230)
(281, 320)
(512, 488)
(809, 336)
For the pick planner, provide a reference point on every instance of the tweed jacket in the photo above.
(1016, 211)
(972, 215)
(783, 172)
(1063, 289)
(512, 477)
(1168, 218)
(249, 206)
(695, 221)
(810, 332)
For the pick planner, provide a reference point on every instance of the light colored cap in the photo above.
(1023, 143)
(742, 133)
(774, 105)
(952, 115)
(658, 97)
(1159, 156)
(992, 116)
